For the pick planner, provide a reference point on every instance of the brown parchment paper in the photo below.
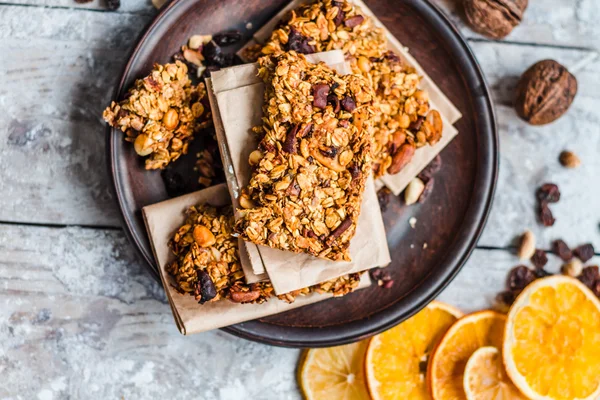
(240, 109)
(162, 221)
(438, 100)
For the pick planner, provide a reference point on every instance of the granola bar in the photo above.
(311, 165)
(404, 122)
(207, 264)
(161, 114)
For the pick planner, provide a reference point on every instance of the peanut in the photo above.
(203, 236)
(142, 145)
(171, 119)
(527, 246)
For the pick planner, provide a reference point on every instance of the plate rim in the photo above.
(333, 335)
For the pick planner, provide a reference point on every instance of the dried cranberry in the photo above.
(354, 21)
(205, 287)
(584, 252)
(334, 101)
(546, 216)
(427, 190)
(299, 43)
(548, 193)
(340, 16)
(383, 196)
(519, 277)
(562, 250)
(589, 276)
(539, 259)
(320, 93)
(348, 103)
(227, 38)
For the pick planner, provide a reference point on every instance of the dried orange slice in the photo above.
(396, 361)
(552, 340)
(486, 379)
(334, 373)
(447, 365)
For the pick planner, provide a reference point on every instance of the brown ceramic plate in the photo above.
(450, 221)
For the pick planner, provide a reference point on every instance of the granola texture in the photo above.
(207, 264)
(160, 114)
(404, 121)
(311, 165)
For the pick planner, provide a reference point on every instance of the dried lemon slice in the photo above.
(552, 340)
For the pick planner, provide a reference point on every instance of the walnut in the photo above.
(494, 18)
(545, 92)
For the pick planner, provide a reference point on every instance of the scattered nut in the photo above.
(545, 92)
(401, 158)
(193, 57)
(494, 18)
(142, 145)
(203, 236)
(171, 119)
(244, 297)
(568, 159)
(197, 41)
(572, 268)
(527, 246)
(413, 191)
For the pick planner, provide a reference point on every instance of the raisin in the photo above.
(539, 259)
(348, 103)
(320, 93)
(590, 276)
(383, 196)
(341, 15)
(354, 21)
(584, 252)
(227, 38)
(546, 216)
(416, 125)
(334, 101)
(291, 140)
(507, 297)
(205, 287)
(519, 277)
(548, 193)
(299, 43)
(330, 152)
(562, 250)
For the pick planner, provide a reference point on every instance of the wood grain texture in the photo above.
(80, 318)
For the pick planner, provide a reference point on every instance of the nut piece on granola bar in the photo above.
(207, 264)
(306, 187)
(404, 115)
(160, 114)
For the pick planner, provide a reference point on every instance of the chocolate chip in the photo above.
(291, 140)
(584, 252)
(348, 103)
(548, 193)
(590, 276)
(299, 43)
(205, 287)
(334, 101)
(227, 38)
(354, 21)
(562, 250)
(519, 277)
(320, 93)
(539, 259)
(546, 216)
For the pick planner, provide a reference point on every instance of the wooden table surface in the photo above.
(79, 316)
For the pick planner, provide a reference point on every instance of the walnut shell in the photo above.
(545, 92)
(494, 18)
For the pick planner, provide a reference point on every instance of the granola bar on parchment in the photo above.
(311, 165)
(160, 114)
(207, 264)
(404, 121)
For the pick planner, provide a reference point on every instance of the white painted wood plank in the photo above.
(57, 73)
(127, 6)
(529, 155)
(553, 22)
(80, 318)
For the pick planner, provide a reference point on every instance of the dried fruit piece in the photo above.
(539, 259)
(205, 287)
(545, 92)
(548, 193)
(227, 38)
(348, 103)
(519, 277)
(494, 18)
(546, 215)
(320, 93)
(527, 246)
(383, 195)
(354, 21)
(584, 252)
(569, 159)
(562, 250)
(589, 276)
(573, 268)
(429, 184)
(299, 43)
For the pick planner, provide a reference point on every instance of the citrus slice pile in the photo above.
(552, 340)
(396, 361)
(334, 373)
(485, 377)
(447, 365)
